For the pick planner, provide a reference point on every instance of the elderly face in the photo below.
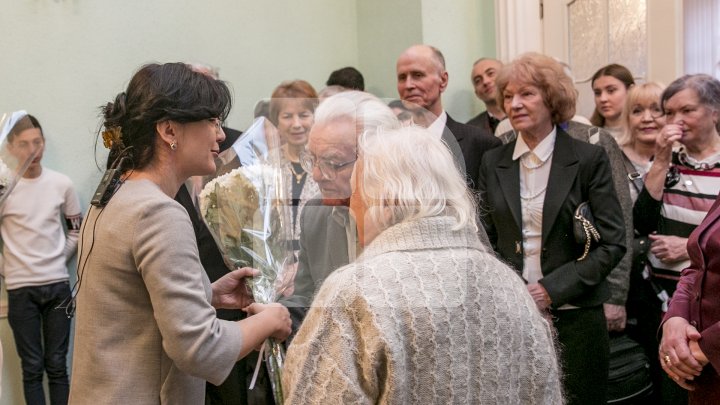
(696, 120)
(333, 147)
(420, 79)
(610, 96)
(483, 78)
(525, 106)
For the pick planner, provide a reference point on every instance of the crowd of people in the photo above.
(434, 261)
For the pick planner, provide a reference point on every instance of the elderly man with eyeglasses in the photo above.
(328, 237)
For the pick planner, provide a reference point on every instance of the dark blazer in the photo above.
(482, 120)
(473, 142)
(580, 172)
(696, 298)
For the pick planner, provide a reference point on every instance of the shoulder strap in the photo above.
(632, 174)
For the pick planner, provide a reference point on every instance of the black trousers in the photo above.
(584, 354)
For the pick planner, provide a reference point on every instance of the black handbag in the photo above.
(584, 228)
(629, 378)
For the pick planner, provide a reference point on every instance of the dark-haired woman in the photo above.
(146, 329)
(610, 85)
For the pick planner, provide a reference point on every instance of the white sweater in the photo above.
(424, 316)
(35, 246)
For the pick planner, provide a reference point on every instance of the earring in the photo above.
(173, 145)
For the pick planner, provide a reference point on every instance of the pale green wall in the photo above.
(385, 29)
(62, 59)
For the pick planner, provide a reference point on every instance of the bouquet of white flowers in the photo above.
(15, 155)
(246, 210)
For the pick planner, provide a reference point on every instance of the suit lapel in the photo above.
(455, 129)
(564, 169)
(508, 173)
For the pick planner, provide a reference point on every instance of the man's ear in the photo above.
(443, 80)
(167, 130)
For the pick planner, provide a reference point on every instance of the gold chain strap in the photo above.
(590, 233)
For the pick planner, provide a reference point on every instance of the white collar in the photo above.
(543, 150)
(438, 126)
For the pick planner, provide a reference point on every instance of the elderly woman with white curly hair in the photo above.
(426, 313)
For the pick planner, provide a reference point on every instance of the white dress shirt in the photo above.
(534, 173)
(438, 126)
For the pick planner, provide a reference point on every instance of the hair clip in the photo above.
(112, 136)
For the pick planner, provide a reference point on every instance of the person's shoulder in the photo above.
(56, 177)
(477, 120)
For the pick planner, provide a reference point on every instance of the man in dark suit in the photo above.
(483, 80)
(421, 80)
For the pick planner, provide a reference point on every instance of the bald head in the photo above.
(421, 77)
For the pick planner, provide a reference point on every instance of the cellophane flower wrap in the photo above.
(246, 210)
(16, 155)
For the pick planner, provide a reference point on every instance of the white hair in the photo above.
(368, 111)
(409, 173)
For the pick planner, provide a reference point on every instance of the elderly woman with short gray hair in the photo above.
(425, 314)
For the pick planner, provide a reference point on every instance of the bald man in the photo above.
(421, 80)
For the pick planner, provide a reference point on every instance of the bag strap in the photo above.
(632, 173)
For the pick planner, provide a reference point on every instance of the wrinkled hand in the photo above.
(668, 248)
(616, 317)
(276, 315)
(231, 291)
(540, 296)
(675, 354)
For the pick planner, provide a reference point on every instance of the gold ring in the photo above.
(667, 359)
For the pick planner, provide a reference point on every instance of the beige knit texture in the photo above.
(425, 315)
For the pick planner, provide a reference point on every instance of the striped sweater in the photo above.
(688, 195)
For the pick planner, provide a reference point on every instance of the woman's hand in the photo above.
(540, 296)
(275, 315)
(231, 291)
(616, 317)
(676, 356)
(669, 134)
(668, 248)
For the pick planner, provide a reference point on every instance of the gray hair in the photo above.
(368, 111)
(705, 86)
(410, 173)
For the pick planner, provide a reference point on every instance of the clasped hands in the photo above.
(232, 292)
(680, 354)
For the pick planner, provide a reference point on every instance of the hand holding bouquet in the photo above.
(246, 210)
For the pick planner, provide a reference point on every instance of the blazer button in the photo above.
(697, 296)
(694, 324)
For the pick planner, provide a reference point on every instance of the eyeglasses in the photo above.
(328, 168)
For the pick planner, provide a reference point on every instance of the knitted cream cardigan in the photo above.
(424, 316)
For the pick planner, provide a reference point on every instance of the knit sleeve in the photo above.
(334, 358)
(166, 256)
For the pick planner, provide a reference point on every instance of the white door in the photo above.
(643, 35)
